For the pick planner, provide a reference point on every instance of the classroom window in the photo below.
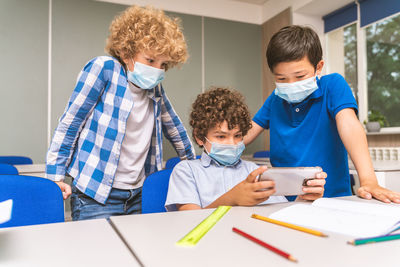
(350, 57)
(382, 57)
(383, 68)
(342, 54)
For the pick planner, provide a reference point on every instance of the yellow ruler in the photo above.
(200, 230)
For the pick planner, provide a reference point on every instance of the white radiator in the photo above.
(385, 153)
(386, 162)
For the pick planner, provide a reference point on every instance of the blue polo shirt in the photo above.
(305, 134)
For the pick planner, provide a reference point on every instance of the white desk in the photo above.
(84, 243)
(152, 237)
(37, 170)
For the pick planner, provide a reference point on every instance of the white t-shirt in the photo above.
(135, 146)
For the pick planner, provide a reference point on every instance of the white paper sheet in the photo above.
(5, 210)
(351, 218)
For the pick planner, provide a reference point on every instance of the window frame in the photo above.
(362, 80)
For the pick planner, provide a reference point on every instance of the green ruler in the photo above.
(200, 230)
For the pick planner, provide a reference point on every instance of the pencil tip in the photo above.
(350, 242)
(324, 235)
(292, 259)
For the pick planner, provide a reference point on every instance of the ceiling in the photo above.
(314, 7)
(322, 7)
(249, 11)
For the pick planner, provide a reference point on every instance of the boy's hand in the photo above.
(315, 187)
(65, 189)
(373, 190)
(248, 192)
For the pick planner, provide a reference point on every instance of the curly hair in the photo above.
(214, 107)
(145, 28)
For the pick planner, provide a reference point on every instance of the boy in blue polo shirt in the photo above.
(220, 119)
(313, 120)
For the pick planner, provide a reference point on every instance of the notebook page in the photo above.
(390, 210)
(334, 220)
(5, 210)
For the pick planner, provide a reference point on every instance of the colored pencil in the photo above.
(374, 239)
(289, 225)
(265, 245)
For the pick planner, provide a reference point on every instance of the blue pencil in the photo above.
(374, 239)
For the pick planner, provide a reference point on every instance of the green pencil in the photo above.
(362, 241)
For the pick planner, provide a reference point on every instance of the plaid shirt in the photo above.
(87, 141)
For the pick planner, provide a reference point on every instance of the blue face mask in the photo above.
(145, 77)
(224, 154)
(297, 91)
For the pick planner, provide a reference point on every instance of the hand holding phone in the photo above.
(289, 181)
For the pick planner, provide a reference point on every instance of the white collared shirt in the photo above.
(203, 180)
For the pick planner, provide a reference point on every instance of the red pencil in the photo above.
(262, 243)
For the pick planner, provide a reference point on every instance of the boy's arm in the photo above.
(252, 134)
(174, 130)
(90, 85)
(182, 189)
(354, 139)
(260, 121)
(188, 207)
(246, 193)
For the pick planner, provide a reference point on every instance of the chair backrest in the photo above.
(15, 160)
(154, 191)
(170, 164)
(7, 169)
(261, 154)
(35, 200)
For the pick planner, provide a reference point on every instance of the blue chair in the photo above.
(35, 200)
(15, 160)
(154, 191)
(8, 169)
(171, 163)
(261, 154)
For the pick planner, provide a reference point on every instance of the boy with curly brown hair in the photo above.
(109, 138)
(220, 120)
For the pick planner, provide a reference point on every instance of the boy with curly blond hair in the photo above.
(110, 135)
(220, 120)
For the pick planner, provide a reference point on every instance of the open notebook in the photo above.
(357, 219)
(5, 210)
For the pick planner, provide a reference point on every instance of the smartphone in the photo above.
(289, 181)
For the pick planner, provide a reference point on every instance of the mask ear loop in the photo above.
(318, 75)
(205, 146)
(133, 65)
(315, 74)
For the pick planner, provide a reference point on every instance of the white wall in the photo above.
(79, 31)
(221, 9)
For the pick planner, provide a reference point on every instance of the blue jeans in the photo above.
(119, 202)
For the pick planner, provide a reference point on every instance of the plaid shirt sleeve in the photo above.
(174, 130)
(89, 87)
